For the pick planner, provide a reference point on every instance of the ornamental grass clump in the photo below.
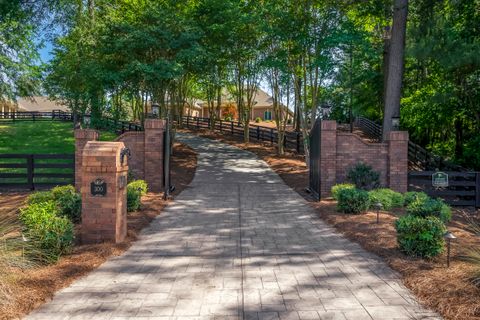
(341, 186)
(353, 201)
(388, 198)
(420, 237)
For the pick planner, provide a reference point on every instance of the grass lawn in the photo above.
(40, 137)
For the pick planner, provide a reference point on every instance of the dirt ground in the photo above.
(28, 289)
(446, 290)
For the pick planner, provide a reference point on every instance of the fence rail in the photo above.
(36, 171)
(106, 123)
(292, 140)
(463, 189)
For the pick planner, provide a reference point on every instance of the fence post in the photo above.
(188, 120)
(198, 123)
(220, 125)
(258, 133)
(298, 142)
(30, 172)
(231, 127)
(33, 117)
(477, 189)
(271, 135)
(13, 116)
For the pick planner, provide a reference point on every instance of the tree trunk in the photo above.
(395, 66)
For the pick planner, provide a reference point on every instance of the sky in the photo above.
(45, 54)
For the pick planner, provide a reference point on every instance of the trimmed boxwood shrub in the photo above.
(388, 198)
(413, 195)
(363, 176)
(338, 187)
(135, 190)
(49, 232)
(420, 237)
(430, 208)
(68, 201)
(140, 185)
(258, 119)
(353, 201)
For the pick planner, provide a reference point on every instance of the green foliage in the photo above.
(135, 190)
(339, 187)
(258, 120)
(364, 177)
(420, 237)
(353, 201)
(388, 198)
(140, 185)
(39, 197)
(51, 233)
(430, 208)
(69, 202)
(412, 196)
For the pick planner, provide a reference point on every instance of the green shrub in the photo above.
(69, 202)
(388, 198)
(49, 232)
(133, 199)
(140, 185)
(420, 237)
(338, 187)
(39, 196)
(430, 208)
(364, 177)
(258, 119)
(353, 201)
(228, 118)
(411, 196)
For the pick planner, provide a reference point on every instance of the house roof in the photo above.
(262, 99)
(40, 104)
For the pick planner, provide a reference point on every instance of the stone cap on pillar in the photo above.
(155, 124)
(398, 136)
(90, 134)
(101, 155)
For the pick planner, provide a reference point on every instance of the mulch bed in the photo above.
(28, 289)
(448, 291)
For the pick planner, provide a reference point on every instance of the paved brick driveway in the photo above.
(237, 244)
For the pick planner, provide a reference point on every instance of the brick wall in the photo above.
(341, 150)
(135, 141)
(146, 148)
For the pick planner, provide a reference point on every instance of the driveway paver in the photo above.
(237, 244)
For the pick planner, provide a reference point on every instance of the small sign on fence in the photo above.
(440, 179)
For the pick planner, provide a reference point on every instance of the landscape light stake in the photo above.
(378, 206)
(449, 237)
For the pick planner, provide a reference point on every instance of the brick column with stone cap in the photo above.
(104, 209)
(82, 136)
(398, 161)
(154, 132)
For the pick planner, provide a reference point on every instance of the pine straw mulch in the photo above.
(448, 291)
(27, 289)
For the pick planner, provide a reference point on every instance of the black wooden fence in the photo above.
(463, 189)
(292, 141)
(106, 123)
(36, 171)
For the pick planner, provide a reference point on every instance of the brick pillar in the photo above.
(82, 136)
(154, 131)
(104, 214)
(328, 154)
(398, 161)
